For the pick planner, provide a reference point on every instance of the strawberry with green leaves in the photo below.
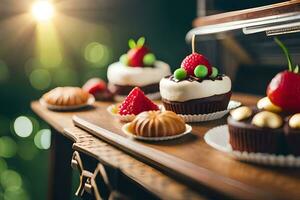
(138, 55)
(284, 88)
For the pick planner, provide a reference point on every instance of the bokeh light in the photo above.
(97, 53)
(8, 147)
(40, 79)
(10, 179)
(23, 126)
(15, 193)
(42, 139)
(4, 72)
(42, 10)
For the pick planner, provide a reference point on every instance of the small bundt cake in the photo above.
(157, 124)
(66, 96)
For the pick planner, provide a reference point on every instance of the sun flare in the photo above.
(42, 10)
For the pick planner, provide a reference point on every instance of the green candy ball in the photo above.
(124, 59)
(149, 59)
(214, 73)
(201, 71)
(180, 74)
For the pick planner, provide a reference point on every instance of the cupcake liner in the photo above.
(152, 96)
(123, 118)
(90, 101)
(218, 138)
(211, 116)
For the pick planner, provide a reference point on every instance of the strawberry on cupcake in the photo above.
(195, 88)
(137, 68)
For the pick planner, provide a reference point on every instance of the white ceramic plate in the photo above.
(188, 129)
(90, 101)
(211, 116)
(218, 138)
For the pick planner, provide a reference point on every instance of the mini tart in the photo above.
(292, 134)
(194, 95)
(245, 136)
(122, 79)
(66, 96)
(157, 124)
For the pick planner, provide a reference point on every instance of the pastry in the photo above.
(252, 130)
(135, 103)
(284, 89)
(292, 134)
(195, 88)
(157, 124)
(137, 68)
(98, 88)
(66, 96)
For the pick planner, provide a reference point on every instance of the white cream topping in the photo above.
(120, 74)
(188, 90)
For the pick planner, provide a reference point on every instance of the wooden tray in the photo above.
(191, 160)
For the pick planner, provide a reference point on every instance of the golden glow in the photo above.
(42, 10)
(49, 50)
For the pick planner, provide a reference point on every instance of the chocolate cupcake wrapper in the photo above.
(218, 138)
(211, 116)
(123, 118)
(152, 96)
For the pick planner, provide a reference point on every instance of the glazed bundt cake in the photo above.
(157, 124)
(66, 96)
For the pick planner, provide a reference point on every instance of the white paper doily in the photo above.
(218, 138)
(188, 129)
(211, 116)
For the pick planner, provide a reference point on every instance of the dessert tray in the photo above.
(90, 101)
(218, 138)
(188, 129)
(211, 116)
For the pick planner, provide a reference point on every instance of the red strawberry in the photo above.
(284, 91)
(136, 55)
(192, 61)
(94, 85)
(136, 102)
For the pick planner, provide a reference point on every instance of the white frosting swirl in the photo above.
(188, 90)
(120, 74)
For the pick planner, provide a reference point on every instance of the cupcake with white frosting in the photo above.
(195, 88)
(137, 68)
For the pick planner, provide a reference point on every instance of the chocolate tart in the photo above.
(292, 138)
(244, 136)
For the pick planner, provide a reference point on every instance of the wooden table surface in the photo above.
(216, 171)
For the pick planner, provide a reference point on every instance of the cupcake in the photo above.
(195, 88)
(157, 124)
(251, 130)
(137, 68)
(292, 134)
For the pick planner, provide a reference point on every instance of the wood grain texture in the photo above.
(148, 177)
(216, 172)
(191, 160)
(249, 14)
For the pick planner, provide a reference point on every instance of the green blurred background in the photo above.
(77, 44)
